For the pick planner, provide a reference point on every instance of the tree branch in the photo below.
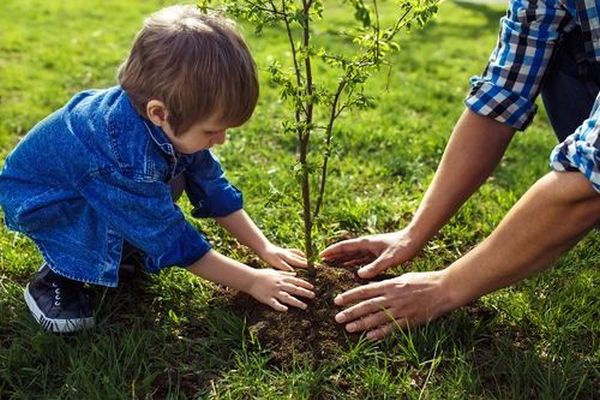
(332, 117)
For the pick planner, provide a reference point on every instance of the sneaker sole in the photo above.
(54, 324)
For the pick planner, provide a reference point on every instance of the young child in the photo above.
(98, 174)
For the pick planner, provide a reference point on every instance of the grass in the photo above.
(172, 336)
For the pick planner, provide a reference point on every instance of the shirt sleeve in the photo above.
(145, 215)
(209, 191)
(507, 89)
(581, 150)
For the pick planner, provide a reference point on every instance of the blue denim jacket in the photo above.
(94, 173)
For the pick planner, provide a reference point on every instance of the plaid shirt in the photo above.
(529, 33)
(581, 150)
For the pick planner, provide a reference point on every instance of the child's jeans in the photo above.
(570, 86)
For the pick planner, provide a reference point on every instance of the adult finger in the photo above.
(386, 260)
(276, 305)
(299, 291)
(300, 282)
(347, 246)
(381, 332)
(361, 309)
(359, 293)
(370, 321)
(291, 300)
(357, 261)
(348, 260)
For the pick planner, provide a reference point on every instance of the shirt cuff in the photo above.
(219, 204)
(580, 152)
(490, 100)
(185, 249)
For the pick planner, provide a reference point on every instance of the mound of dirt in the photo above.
(305, 336)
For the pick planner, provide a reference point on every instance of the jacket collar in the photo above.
(155, 132)
(159, 137)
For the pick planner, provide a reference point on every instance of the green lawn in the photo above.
(172, 336)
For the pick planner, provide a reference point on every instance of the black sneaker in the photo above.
(57, 303)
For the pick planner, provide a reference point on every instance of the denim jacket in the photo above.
(95, 173)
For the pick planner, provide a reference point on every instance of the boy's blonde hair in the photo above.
(195, 63)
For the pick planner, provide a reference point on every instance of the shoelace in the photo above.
(66, 292)
(57, 294)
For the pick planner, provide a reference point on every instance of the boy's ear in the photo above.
(157, 112)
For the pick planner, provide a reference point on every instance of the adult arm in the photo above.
(501, 100)
(548, 220)
(474, 150)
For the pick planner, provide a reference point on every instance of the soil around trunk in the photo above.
(301, 336)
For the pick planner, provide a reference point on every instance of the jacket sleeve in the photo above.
(209, 191)
(143, 212)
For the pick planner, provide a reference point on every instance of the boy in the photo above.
(97, 175)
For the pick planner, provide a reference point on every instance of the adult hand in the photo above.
(283, 259)
(380, 251)
(278, 288)
(408, 300)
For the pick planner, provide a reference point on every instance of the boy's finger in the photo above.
(298, 252)
(283, 266)
(299, 291)
(300, 282)
(277, 306)
(297, 261)
(299, 257)
(291, 300)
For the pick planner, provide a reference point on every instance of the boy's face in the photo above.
(200, 136)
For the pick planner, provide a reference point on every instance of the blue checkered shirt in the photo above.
(581, 150)
(530, 31)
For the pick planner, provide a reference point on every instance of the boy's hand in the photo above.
(283, 259)
(277, 288)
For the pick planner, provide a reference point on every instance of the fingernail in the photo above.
(371, 336)
(363, 273)
(340, 318)
(337, 299)
(351, 327)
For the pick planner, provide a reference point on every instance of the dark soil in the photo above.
(305, 336)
